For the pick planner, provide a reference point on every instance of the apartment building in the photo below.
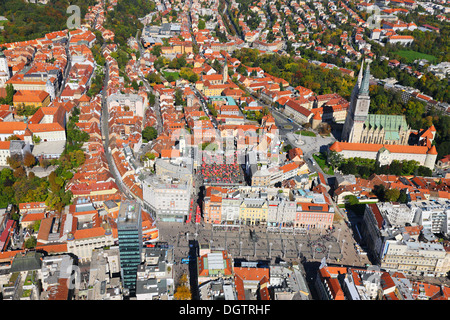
(341, 283)
(84, 231)
(281, 212)
(433, 215)
(253, 211)
(314, 216)
(133, 102)
(167, 199)
(398, 214)
(230, 209)
(155, 275)
(273, 207)
(416, 258)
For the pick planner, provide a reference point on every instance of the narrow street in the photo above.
(105, 137)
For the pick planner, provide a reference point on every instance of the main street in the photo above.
(105, 137)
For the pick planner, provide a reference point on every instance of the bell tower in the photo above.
(4, 70)
(225, 71)
(358, 110)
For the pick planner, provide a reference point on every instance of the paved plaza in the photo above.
(336, 245)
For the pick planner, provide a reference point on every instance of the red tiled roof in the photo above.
(374, 147)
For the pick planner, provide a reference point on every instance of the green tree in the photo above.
(156, 50)
(30, 243)
(201, 24)
(154, 78)
(36, 226)
(349, 167)
(334, 159)
(403, 197)
(135, 85)
(380, 191)
(8, 99)
(149, 133)
(151, 99)
(29, 160)
(392, 195)
(179, 100)
(424, 171)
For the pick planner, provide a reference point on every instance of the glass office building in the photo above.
(129, 227)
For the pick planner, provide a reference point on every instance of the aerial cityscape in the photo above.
(224, 150)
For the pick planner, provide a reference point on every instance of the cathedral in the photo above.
(362, 127)
(381, 137)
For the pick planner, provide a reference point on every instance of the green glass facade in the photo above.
(129, 229)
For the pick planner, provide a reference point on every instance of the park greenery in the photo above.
(17, 186)
(322, 81)
(326, 166)
(298, 72)
(411, 55)
(256, 115)
(417, 115)
(429, 84)
(124, 19)
(305, 133)
(183, 69)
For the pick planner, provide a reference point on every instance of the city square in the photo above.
(337, 246)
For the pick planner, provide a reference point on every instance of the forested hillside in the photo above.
(28, 21)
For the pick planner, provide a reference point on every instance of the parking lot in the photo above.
(256, 243)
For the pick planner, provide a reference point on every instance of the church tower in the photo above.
(225, 71)
(4, 70)
(359, 108)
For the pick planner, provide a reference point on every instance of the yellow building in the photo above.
(31, 98)
(253, 211)
(214, 90)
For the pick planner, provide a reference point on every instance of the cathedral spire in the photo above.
(364, 89)
(360, 75)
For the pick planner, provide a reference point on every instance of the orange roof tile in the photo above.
(30, 96)
(374, 147)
